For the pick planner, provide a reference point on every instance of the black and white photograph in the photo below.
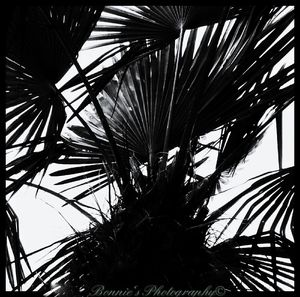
(149, 150)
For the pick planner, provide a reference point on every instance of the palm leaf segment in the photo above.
(137, 23)
(254, 262)
(33, 43)
(264, 261)
(236, 93)
(142, 29)
(35, 62)
(259, 262)
(255, 205)
(15, 247)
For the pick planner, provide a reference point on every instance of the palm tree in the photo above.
(162, 93)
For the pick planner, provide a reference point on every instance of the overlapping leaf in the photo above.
(31, 164)
(145, 29)
(229, 93)
(33, 44)
(34, 109)
(35, 61)
(136, 102)
(240, 136)
(270, 198)
(83, 168)
(155, 22)
(238, 88)
(15, 271)
(60, 263)
(261, 262)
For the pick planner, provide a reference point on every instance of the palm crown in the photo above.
(161, 93)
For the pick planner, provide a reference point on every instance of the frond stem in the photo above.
(171, 108)
(121, 168)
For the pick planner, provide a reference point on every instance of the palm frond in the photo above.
(62, 257)
(134, 23)
(136, 102)
(122, 178)
(71, 202)
(33, 108)
(146, 29)
(270, 198)
(33, 44)
(35, 62)
(279, 138)
(261, 262)
(230, 91)
(14, 265)
(29, 165)
(84, 168)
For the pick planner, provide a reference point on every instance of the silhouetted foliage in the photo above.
(163, 92)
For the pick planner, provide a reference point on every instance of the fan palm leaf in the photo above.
(146, 29)
(18, 253)
(136, 102)
(35, 62)
(253, 261)
(88, 168)
(272, 194)
(33, 44)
